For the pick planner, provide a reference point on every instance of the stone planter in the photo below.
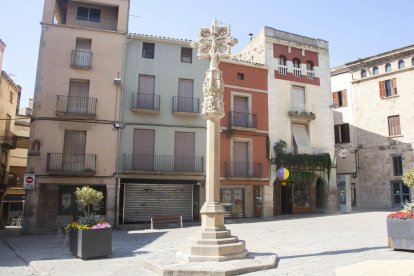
(400, 233)
(91, 243)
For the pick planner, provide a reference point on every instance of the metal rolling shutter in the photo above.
(141, 201)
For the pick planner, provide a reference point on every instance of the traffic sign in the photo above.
(29, 181)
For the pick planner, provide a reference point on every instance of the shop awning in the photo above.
(300, 134)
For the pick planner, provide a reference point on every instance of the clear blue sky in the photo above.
(354, 28)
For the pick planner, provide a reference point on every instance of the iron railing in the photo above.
(82, 106)
(185, 104)
(310, 150)
(101, 23)
(8, 179)
(162, 163)
(81, 59)
(241, 119)
(243, 169)
(71, 163)
(8, 139)
(145, 101)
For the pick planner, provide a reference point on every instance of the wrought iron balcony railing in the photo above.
(243, 169)
(241, 119)
(185, 104)
(146, 101)
(79, 106)
(8, 140)
(102, 23)
(163, 163)
(8, 179)
(81, 59)
(71, 163)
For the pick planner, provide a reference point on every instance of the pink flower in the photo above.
(101, 225)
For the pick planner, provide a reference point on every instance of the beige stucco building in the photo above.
(299, 114)
(78, 86)
(9, 103)
(373, 117)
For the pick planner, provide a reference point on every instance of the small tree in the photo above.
(87, 197)
(408, 178)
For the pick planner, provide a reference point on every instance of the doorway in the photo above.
(400, 192)
(258, 201)
(320, 194)
(286, 198)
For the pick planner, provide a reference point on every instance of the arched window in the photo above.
(375, 71)
(309, 65)
(282, 60)
(296, 63)
(401, 64)
(387, 67)
(363, 73)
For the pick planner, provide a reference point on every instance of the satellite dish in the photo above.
(343, 153)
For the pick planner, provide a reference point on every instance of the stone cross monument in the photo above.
(214, 243)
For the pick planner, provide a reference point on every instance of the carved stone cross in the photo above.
(214, 44)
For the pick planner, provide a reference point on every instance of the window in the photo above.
(282, 60)
(375, 71)
(309, 65)
(363, 73)
(298, 99)
(184, 152)
(342, 133)
(74, 144)
(11, 96)
(340, 99)
(240, 76)
(412, 61)
(82, 56)
(186, 55)
(185, 101)
(148, 50)
(394, 128)
(88, 14)
(401, 64)
(387, 67)
(296, 63)
(78, 98)
(400, 193)
(143, 150)
(388, 88)
(397, 164)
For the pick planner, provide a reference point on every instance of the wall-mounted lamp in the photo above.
(118, 125)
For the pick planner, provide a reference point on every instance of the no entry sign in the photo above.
(29, 181)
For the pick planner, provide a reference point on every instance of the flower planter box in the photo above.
(91, 243)
(400, 233)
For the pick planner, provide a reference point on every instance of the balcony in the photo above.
(8, 140)
(101, 23)
(71, 164)
(8, 180)
(162, 163)
(81, 59)
(297, 72)
(298, 112)
(312, 150)
(242, 120)
(283, 69)
(243, 169)
(76, 107)
(142, 102)
(186, 106)
(310, 74)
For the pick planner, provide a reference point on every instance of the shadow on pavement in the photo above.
(336, 252)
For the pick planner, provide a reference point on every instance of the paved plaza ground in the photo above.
(339, 244)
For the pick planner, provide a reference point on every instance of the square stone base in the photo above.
(167, 264)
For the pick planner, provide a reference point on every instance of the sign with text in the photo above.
(29, 181)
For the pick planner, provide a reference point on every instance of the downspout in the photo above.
(121, 104)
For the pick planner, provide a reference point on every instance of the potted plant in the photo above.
(90, 236)
(400, 224)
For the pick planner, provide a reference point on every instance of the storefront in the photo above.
(232, 200)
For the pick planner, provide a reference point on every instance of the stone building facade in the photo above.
(299, 114)
(373, 118)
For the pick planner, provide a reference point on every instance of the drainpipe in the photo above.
(121, 104)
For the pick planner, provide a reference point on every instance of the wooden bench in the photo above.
(166, 218)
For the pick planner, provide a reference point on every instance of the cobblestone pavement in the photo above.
(306, 245)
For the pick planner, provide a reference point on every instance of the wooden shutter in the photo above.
(335, 99)
(344, 98)
(74, 142)
(337, 134)
(184, 144)
(394, 86)
(185, 88)
(382, 89)
(241, 104)
(146, 84)
(394, 125)
(241, 152)
(143, 149)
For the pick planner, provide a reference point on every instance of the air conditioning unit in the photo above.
(117, 81)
